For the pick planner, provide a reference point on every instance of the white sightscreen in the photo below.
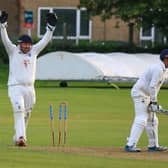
(92, 66)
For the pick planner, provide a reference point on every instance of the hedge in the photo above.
(85, 46)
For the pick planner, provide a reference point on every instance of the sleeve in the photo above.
(155, 84)
(38, 47)
(9, 46)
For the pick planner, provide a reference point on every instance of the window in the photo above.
(147, 37)
(146, 32)
(150, 36)
(43, 14)
(84, 24)
(72, 22)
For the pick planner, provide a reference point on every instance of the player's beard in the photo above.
(25, 49)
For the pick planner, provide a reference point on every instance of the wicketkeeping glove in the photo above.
(51, 19)
(3, 17)
(154, 107)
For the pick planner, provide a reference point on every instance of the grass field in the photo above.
(99, 121)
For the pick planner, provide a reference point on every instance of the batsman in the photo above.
(22, 68)
(144, 94)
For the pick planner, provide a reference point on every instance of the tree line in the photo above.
(139, 13)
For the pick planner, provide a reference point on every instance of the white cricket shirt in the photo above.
(150, 82)
(22, 67)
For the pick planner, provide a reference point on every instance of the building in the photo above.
(12, 7)
(73, 22)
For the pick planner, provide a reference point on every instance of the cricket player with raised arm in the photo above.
(22, 69)
(144, 94)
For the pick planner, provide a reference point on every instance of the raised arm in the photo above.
(4, 35)
(51, 20)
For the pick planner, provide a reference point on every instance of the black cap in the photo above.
(25, 39)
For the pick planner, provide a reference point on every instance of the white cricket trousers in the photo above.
(22, 99)
(143, 119)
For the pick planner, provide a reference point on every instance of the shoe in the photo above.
(21, 142)
(157, 149)
(131, 149)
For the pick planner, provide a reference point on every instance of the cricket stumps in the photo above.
(62, 123)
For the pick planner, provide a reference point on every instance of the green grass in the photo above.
(99, 117)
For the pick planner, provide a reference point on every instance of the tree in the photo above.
(125, 10)
(98, 7)
(140, 12)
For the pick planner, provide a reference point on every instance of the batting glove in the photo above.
(154, 107)
(3, 17)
